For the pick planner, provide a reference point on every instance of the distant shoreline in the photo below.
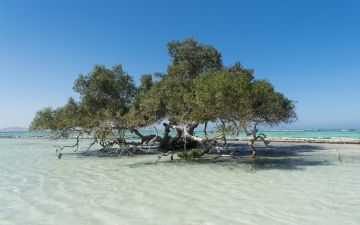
(311, 140)
(336, 140)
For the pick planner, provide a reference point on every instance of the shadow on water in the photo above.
(283, 156)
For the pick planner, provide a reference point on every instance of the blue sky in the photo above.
(309, 50)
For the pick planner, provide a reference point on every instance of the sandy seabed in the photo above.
(335, 140)
(289, 183)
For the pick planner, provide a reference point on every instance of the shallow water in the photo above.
(289, 184)
(315, 133)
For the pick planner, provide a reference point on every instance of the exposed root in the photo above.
(338, 154)
(253, 156)
(165, 154)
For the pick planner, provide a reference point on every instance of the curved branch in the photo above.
(143, 138)
(59, 149)
(165, 154)
(156, 138)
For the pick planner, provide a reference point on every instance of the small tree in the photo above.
(236, 101)
(105, 97)
(268, 108)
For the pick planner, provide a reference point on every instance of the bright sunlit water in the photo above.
(289, 184)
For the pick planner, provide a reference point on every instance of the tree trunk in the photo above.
(224, 135)
(192, 127)
(188, 135)
(205, 129)
(255, 138)
(178, 136)
(143, 138)
(164, 144)
(253, 156)
(186, 132)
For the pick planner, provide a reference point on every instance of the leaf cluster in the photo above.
(193, 153)
(197, 88)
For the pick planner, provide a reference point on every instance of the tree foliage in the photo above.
(189, 59)
(110, 89)
(196, 89)
(106, 95)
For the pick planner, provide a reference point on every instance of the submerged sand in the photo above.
(290, 183)
(336, 140)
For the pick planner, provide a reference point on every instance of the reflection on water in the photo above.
(288, 184)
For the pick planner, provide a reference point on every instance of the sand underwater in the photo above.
(291, 183)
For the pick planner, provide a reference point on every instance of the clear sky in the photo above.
(308, 49)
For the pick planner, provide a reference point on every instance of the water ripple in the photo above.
(298, 188)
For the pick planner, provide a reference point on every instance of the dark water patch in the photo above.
(263, 163)
(280, 157)
(285, 157)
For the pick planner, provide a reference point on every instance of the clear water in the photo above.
(289, 184)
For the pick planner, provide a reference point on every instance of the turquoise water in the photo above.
(314, 133)
(269, 133)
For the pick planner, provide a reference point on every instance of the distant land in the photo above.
(13, 129)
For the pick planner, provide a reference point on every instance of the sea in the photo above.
(311, 133)
(290, 183)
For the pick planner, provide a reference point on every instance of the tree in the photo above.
(173, 96)
(268, 108)
(103, 88)
(189, 60)
(197, 88)
(237, 101)
(221, 96)
(106, 95)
